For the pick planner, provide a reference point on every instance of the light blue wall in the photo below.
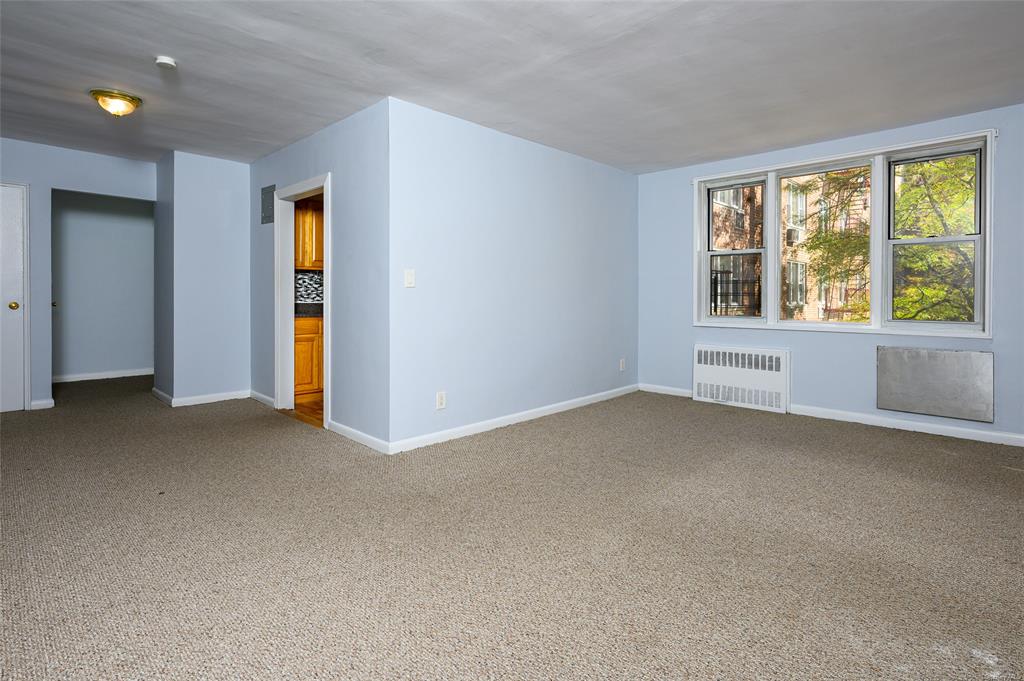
(354, 151)
(44, 168)
(211, 347)
(535, 270)
(831, 370)
(163, 274)
(103, 284)
(526, 273)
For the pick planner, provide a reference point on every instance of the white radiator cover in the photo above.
(756, 378)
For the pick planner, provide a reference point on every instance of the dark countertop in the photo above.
(309, 309)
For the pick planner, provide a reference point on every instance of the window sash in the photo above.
(979, 185)
(735, 189)
(980, 252)
(725, 287)
(798, 199)
(979, 298)
(734, 192)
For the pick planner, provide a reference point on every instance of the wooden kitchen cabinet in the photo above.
(317, 261)
(309, 355)
(309, 233)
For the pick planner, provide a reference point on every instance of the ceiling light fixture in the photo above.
(166, 62)
(115, 102)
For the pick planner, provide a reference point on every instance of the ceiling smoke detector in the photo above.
(166, 62)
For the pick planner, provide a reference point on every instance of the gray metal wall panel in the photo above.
(953, 383)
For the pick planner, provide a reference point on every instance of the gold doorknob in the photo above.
(13, 305)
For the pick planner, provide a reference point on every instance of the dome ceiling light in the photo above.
(115, 102)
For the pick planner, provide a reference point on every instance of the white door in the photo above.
(12, 288)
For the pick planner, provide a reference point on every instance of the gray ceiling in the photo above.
(637, 85)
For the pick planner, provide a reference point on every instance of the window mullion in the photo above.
(880, 282)
(701, 291)
(771, 267)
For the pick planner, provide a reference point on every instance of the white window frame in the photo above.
(978, 239)
(703, 264)
(881, 265)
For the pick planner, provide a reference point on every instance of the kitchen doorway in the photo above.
(302, 310)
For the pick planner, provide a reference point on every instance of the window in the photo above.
(736, 253)
(795, 218)
(934, 238)
(891, 241)
(836, 250)
(796, 283)
(729, 204)
(730, 198)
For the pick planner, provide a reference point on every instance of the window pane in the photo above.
(825, 220)
(735, 289)
(737, 218)
(935, 197)
(934, 282)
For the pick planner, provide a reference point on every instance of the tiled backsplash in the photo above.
(309, 287)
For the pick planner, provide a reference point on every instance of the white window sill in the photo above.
(916, 329)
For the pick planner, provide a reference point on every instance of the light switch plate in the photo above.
(410, 278)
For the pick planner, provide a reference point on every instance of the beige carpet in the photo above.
(647, 537)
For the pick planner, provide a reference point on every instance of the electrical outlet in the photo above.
(410, 278)
(622, 364)
(441, 400)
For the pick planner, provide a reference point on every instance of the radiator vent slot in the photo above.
(745, 377)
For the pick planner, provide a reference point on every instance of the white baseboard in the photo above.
(260, 397)
(200, 399)
(418, 441)
(360, 437)
(117, 373)
(41, 404)
(162, 396)
(665, 390)
(966, 433)
(212, 397)
(501, 421)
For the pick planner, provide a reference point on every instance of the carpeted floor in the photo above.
(647, 537)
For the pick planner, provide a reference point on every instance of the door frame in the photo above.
(26, 293)
(284, 290)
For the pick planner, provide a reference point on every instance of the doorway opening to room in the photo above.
(302, 238)
(102, 302)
